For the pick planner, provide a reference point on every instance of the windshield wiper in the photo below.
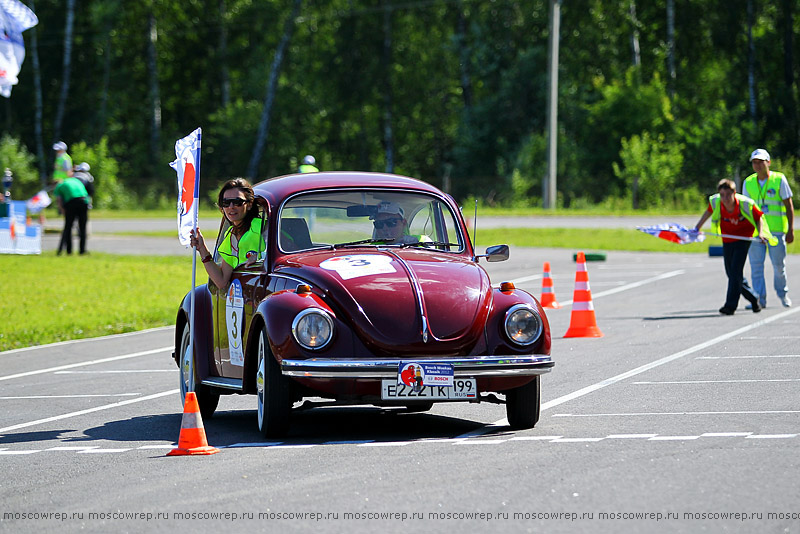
(430, 244)
(363, 242)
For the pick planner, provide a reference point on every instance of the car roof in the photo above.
(277, 189)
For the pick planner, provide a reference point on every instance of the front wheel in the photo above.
(523, 405)
(272, 390)
(207, 400)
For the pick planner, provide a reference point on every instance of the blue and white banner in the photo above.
(15, 18)
(188, 168)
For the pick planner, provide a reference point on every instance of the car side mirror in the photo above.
(495, 253)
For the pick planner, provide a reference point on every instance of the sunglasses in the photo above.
(390, 223)
(233, 202)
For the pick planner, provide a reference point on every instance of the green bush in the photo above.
(14, 156)
(650, 169)
(109, 193)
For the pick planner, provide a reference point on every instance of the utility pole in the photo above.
(552, 109)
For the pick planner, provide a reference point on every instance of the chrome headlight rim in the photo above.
(539, 324)
(312, 311)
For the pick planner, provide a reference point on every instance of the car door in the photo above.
(233, 310)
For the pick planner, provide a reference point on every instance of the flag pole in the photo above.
(195, 209)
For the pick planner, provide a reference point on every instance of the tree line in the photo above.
(656, 100)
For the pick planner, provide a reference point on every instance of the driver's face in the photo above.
(388, 226)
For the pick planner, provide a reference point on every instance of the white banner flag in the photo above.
(15, 18)
(188, 168)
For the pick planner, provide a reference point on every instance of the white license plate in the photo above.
(462, 389)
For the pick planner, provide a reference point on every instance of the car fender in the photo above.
(497, 341)
(202, 333)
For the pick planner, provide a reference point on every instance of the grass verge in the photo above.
(51, 298)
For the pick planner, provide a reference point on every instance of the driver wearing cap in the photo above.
(391, 225)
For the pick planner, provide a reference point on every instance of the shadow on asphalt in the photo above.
(694, 314)
(311, 426)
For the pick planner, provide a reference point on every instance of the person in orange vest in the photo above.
(738, 218)
(771, 191)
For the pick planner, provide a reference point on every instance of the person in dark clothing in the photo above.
(73, 202)
(738, 219)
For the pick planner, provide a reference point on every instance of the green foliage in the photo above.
(462, 89)
(108, 191)
(650, 169)
(14, 156)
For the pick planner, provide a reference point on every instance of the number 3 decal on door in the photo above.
(234, 319)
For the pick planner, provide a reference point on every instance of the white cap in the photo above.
(390, 207)
(309, 160)
(82, 167)
(760, 153)
(61, 145)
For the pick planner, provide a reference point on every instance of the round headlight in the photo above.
(523, 325)
(312, 328)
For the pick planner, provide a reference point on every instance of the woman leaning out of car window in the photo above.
(242, 242)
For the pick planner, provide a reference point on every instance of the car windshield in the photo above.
(346, 218)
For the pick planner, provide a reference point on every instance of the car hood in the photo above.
(401, 300)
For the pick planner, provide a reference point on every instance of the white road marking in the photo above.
(633, 285)
(121, 371)
(95, 449)
(667, 359)
(262, 444)
(747, 357)
(648, 414)
(526, 279)
(641, 369)
(76, 448)
(576, 440)
(70, 396)
(89, 362)
(100, 451)
(349, 442)
(480, 442)
(738, 381)
(770, 436)
(385, 444)
(89, 410)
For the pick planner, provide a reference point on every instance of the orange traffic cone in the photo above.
(548, 299)
(582, 321)
(193, 435)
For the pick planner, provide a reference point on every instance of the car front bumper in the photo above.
(469, 366)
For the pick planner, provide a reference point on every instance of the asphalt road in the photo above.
(675, 421)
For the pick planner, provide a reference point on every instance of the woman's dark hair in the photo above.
(245, 187)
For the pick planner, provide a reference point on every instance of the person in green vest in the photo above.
(62, 169)
(308, 165)
(771, 191)
(73, 202)
(243, 242)
(738, 219)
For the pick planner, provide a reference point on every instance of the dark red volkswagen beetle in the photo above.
(368, 291)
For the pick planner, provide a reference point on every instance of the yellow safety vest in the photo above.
(769, 200)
